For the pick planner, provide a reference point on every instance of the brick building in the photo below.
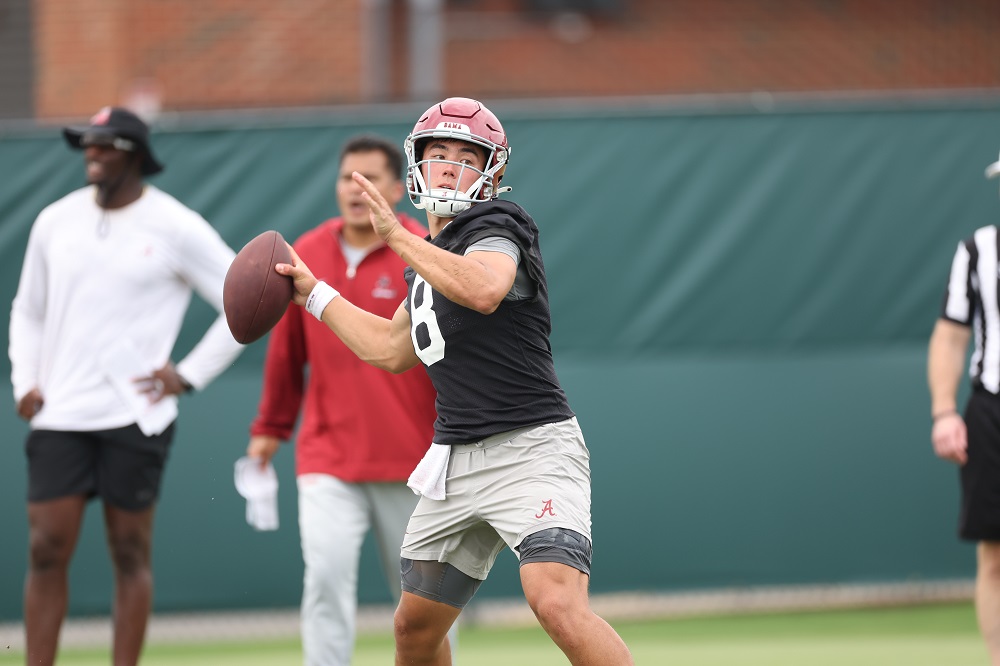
(63, 58)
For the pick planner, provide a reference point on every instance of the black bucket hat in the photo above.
(119, 123)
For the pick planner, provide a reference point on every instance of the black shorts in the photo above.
(122, 466)
(979, 519)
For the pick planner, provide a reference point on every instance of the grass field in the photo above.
(935, 635)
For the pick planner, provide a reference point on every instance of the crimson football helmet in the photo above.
(467, 120)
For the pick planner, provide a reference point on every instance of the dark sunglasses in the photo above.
(102, 140)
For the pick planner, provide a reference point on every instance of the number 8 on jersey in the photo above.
(424, 330)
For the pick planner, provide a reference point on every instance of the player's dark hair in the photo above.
(367, 143)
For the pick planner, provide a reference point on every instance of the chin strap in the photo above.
(444, 207)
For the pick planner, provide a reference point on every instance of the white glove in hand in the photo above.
(260, 488)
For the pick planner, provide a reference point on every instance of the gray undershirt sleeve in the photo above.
(523, 287)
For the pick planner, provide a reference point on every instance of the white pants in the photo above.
(334, 518)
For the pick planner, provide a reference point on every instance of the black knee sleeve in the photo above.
(437, 581)
(556, 544)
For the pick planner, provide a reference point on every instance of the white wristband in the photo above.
(319, 298)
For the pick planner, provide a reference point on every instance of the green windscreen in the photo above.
(741, 304)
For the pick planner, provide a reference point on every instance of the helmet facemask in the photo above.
(445, 202)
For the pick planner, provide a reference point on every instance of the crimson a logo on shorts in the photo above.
(546, 509)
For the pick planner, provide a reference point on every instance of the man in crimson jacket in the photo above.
(363, 429)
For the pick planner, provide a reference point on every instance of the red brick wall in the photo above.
(209, 54)
(202, 54)
(78, 54)
(694, 46)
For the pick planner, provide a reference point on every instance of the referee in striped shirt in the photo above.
(972, 305)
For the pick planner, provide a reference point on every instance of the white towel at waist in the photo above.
(428, 477)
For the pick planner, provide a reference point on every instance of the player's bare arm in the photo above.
(945, 361)
(384, 343)
(376, 340)
(478, 281)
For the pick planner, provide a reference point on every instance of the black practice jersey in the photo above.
(492, 372)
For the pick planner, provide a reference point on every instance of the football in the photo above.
(254, 296)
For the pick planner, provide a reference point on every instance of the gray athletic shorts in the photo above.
(500, 490)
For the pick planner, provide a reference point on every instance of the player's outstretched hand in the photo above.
(301, 276)
(950, 438)
(382, 216)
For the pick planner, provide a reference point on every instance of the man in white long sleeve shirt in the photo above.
(107, 278)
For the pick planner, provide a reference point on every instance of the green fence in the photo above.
(741, 304)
